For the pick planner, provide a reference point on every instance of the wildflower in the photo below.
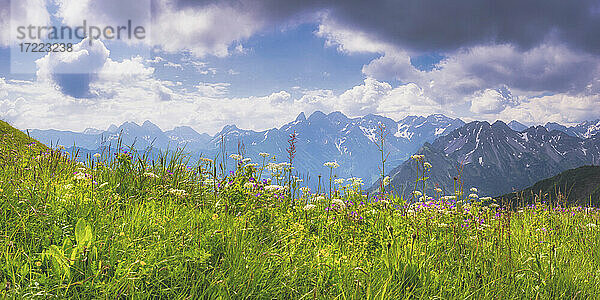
(264, 154)
(355, 182)
(248, 185)
(386, 181)
(80, 176)
(338, 202)
(591, 225)
(308, 207)
(438, 190)
(494, 205)
(442, 225)
(474, 196)
(38, 263)
(427, 165)
(97, 155)
(206, 160)
(305, 189)
(473, 190)
(245, 160)
(319, 198)
(251, 165)
(236, 156)
(486, 199)
(331, 164)
(417, 157)
(150, 175)
(417, 194)
(339, 181)
(103, 185)
(273, 188)
(177, 192)
(215, 216)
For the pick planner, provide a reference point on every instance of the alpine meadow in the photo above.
(293, 149)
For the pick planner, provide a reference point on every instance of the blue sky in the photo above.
(259, 63)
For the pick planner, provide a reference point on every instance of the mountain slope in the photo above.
(579, 186)
(497, 159)
(12, 139)
(584, 130)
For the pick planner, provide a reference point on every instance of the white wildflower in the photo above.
(417, 157)
(308, 207)
(417, 194)
(386, 181)
(331, 164)
(473, 196)
(273, 188)
(248, 185)
(338, 202)
(97, 155)
(150, 175)
(485, 198)
(236, 156)
(339, 181)
(246, 160)
(438, 190)
(177, 192)
(427, 165)
(473, 190)
(264, 154)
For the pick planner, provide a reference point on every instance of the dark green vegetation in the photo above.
(580, 186)
(121, 226)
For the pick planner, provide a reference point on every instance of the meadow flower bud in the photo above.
(386, 181)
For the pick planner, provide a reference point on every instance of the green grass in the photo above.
(122, 226)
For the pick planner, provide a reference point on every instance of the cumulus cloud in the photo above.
(20, 13)
(72, 72)
(213, 89)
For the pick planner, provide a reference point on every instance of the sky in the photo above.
(259, 63)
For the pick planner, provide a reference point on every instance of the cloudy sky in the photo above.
(259, 63)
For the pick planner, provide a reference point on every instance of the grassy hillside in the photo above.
(580, 186)
(13, 139)
(122, 226)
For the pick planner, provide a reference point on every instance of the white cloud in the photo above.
(20, 13)
(213, 89)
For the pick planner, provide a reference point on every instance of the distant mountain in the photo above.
(580, 186)
(516, 126)
(585, 129)
(321, 138)
(497, 159)
(335, 137)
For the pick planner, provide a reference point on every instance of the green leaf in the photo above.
(83, 233)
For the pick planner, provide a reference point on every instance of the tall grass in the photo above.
(126, 226)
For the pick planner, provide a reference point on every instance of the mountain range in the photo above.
(321, 138)
(497, 159)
